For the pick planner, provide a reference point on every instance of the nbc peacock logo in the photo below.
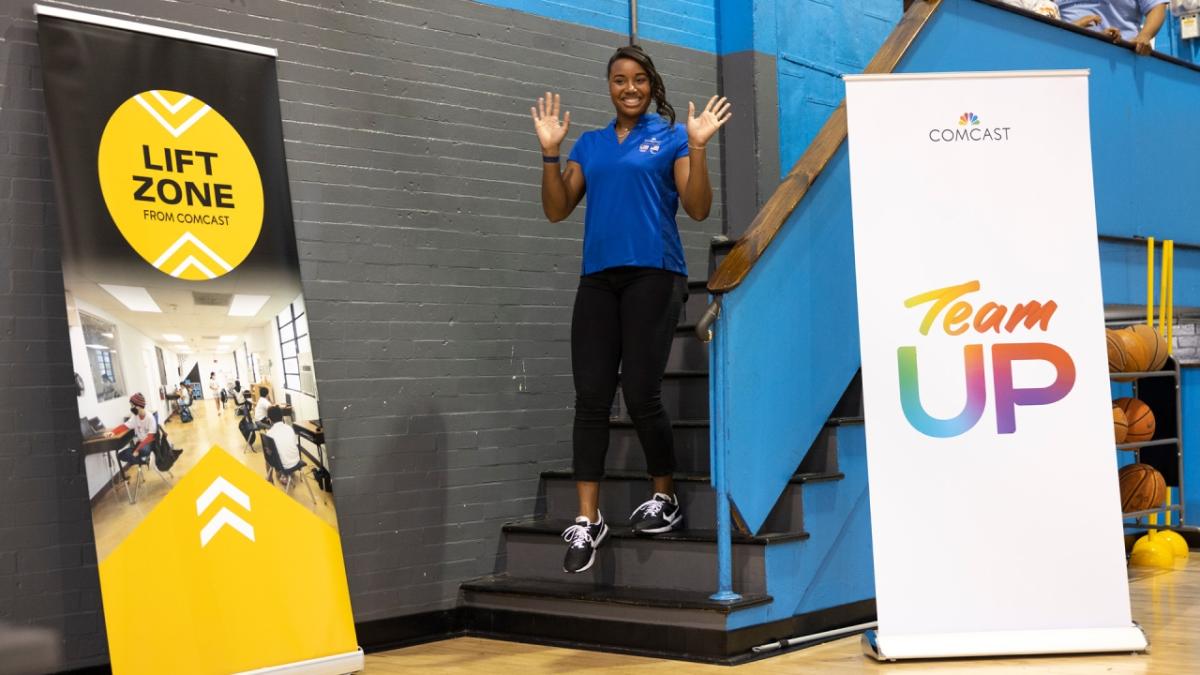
(969, 129)
(180, 184)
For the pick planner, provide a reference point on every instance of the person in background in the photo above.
(286, 443)
(214, 390)
(262, 407)
(1043, 7)
(1136, 21)
(144, 430)
(184, 401)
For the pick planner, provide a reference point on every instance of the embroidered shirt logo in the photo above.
(651, 145)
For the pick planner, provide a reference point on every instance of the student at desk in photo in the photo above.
(261, 408)
(286, 443)
(185, 402)
(144, 427)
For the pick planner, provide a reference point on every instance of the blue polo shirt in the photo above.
(631, 196)
(1124, 15)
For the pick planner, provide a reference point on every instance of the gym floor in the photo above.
(1165, 602)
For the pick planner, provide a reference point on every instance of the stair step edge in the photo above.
(567, 474)
(644, 597)
(626, 423)
(554, 528)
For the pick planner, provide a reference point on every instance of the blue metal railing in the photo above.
(717, 454)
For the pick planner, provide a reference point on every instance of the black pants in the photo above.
(624, 321)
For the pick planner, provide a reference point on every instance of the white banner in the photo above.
(993, 475)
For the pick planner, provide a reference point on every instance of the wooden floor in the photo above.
(1165, 603)
(113, 517)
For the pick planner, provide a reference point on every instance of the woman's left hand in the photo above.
(701, 128)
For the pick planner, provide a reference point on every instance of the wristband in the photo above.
(546, 159)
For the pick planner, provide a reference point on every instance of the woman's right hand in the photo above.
(550, 131)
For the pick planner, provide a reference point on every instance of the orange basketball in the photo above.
(1155, 345)
(1136, 358)
(1142, 487)
(1116, 351)
(1120, 425)
(1139, 418)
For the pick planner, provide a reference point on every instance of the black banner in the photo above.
(193, 364)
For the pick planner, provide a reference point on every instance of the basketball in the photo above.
(1120, 425)
(1116, 351)
(1155, 345)
(1142, 487)
(1138, 418)
(1136, 358)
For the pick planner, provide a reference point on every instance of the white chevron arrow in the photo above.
(191, 261)
(225, 517)
(175, 131)
(218, 487)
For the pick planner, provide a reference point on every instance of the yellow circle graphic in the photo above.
(180, 184)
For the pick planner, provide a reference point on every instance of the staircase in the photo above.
(649, 595)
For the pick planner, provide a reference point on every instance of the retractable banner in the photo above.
(995, 514)
(216, 534)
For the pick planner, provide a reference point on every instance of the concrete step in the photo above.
(691, 446)
(683, 560)
(651, 621)
(697, 300)
(622, 491)
(684, 395)
(619, 595)
(687, 353)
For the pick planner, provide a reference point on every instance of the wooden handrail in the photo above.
(734, 268)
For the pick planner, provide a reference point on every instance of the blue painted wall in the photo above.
(1190, 413)
(791, 333)
(818, 42)
(834, 566)
(686, 23)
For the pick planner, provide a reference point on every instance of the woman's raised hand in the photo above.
(700, 128)
(550, 131)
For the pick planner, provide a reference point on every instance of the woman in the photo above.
(214, 390)
(636, 171)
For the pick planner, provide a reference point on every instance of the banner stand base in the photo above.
(1004, 643)
(338, 664)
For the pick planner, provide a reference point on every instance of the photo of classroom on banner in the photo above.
(166, 372)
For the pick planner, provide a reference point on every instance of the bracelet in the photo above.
(695, 147)
(546, 159)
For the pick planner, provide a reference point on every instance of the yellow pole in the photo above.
(1162, 293)
(1169, 297)
(1168, 514)
(1150, 282)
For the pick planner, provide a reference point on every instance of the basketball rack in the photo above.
(1164, 401)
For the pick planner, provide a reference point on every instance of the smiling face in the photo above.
(629, 87)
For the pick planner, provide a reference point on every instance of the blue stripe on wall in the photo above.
(685, 23)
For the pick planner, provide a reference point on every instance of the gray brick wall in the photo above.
(1187, 342)
(439, 297)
